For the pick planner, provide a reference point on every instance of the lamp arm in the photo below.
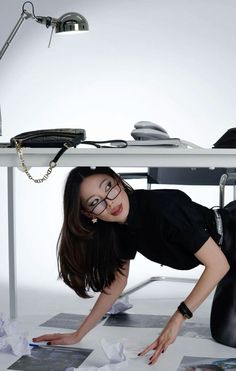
(24, 15)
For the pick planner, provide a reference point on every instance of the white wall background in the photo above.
(167, 61)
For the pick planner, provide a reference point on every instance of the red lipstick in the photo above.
(117, 210)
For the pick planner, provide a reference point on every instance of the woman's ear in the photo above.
(89, 216)
(86, 213)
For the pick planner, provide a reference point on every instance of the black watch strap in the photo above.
(185, 311)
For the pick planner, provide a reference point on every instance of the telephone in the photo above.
(147, 133)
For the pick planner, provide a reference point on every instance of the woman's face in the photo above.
(104, 197)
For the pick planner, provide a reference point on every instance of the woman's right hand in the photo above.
(58, 338)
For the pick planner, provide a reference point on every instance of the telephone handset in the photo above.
(149, 125)
(146, 130)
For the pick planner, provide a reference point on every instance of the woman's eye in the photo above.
(108, 186)
(94, 203)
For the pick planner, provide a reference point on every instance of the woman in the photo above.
(106, 223)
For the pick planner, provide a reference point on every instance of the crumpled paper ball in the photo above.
(12, 339)
(115, 354)
(121, 305)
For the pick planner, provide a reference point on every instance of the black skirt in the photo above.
(223, 311)
(228, 214)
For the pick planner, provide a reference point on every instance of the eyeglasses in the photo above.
(102, 205)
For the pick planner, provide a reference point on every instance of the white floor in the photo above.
(36, 307)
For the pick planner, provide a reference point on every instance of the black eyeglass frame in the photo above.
(104, 200)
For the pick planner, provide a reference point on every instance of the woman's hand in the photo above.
(59, 339)
(167, 337)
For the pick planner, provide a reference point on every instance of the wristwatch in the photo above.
(185, 311)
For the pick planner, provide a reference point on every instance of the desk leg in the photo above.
(11, 242)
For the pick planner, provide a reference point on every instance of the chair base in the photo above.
(156, 279)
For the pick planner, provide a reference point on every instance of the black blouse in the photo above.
(167, 227)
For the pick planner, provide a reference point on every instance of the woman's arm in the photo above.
(102, 305)
(216, 266)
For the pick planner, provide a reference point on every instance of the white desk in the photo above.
(119, 157)
(131, 156)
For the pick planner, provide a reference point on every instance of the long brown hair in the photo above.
(87, 253)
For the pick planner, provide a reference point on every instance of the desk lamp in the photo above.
(68, 23)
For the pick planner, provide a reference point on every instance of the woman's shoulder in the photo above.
(161, 194)
(162, 199)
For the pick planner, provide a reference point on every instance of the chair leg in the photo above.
(223, 181)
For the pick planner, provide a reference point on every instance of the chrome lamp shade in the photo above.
(71, 22)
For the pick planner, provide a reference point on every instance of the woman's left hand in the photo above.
(167, 337)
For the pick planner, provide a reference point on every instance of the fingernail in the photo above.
(162, 351)
(139, 354)
(150, 363)
(49, 343)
